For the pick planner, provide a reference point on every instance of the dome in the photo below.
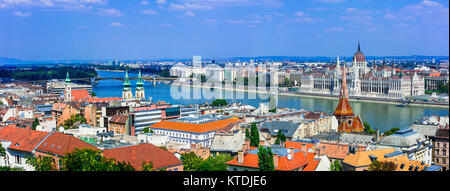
(359, 56)
(406, 137)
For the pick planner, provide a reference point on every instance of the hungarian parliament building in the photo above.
(362, 81)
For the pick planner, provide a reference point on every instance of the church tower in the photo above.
(68, 90)
(344, 113)
(140, 91)
(337, 74)
(126, 91)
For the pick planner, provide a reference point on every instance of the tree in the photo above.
(247, 134)
(336, 166)
(35, 124)
(93, 94)
(45, 163)
(391, 131)
(70, 123)
(382, 166)
(367, 128)
(2, 151)
(254, 136)
(265, 159)
(147, 130)
(217, 163)
(219, 103)
(92, 160)
(7, 168)
(280, 137)
(190, 161)
(147, 166)
(164, 148)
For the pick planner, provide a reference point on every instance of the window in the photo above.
(18, 159)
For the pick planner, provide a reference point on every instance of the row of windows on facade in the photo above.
(182, 135)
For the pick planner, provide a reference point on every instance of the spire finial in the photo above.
(359, 47)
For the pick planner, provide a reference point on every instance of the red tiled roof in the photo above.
(137, 154)
(197, 128)
(335, 150)
(80, 94)
(59, 107)
(343, 108)
(61, 144)
(119, 119)
(101, 100)
(284, 164)
(356, 126)
(312, 165)
(22, 139)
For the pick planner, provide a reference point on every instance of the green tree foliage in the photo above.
(2, 151)
(35, 124)
(367, 128)
(70, 123)
(382, 166)
(147, 166)
(253, 135)
(91, 160)
(93, 94)
(280, 138)
(265, 159)
(190, 161)
(219, 103)
(7, 168)
(45, 73)
(391, 131)
(217, 163)
(44, 163)
(336, 166)
(164, 148)
(147, 130)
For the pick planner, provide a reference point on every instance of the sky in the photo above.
(155, 29)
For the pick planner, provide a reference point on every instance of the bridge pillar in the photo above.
(154, 81)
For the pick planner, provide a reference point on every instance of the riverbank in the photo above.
(359, 99)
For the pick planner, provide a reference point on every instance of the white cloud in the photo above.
(116, 24)
(53, 4)
(189, 14)
(334, 29)
(22, 14)
(332, 1)
(239, 22)
(302, 17)
(109, 12)
(161, 1)
(212, 4)
(150, 12)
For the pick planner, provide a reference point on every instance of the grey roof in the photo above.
(286, 127)
(403, 138)
(427, 130)
(356, 138)
(227, 142)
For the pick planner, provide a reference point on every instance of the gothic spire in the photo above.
(359, 47)
(67, 77)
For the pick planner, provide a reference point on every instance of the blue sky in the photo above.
(136, 29)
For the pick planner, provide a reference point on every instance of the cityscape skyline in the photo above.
(155, 29)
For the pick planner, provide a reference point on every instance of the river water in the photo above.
(379, 115)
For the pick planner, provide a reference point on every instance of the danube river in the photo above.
(379, 115)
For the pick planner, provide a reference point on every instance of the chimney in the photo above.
(240, 156)
(304, 148)
(247, 144)
(291, 151)
(378, 135)
(275, 160)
